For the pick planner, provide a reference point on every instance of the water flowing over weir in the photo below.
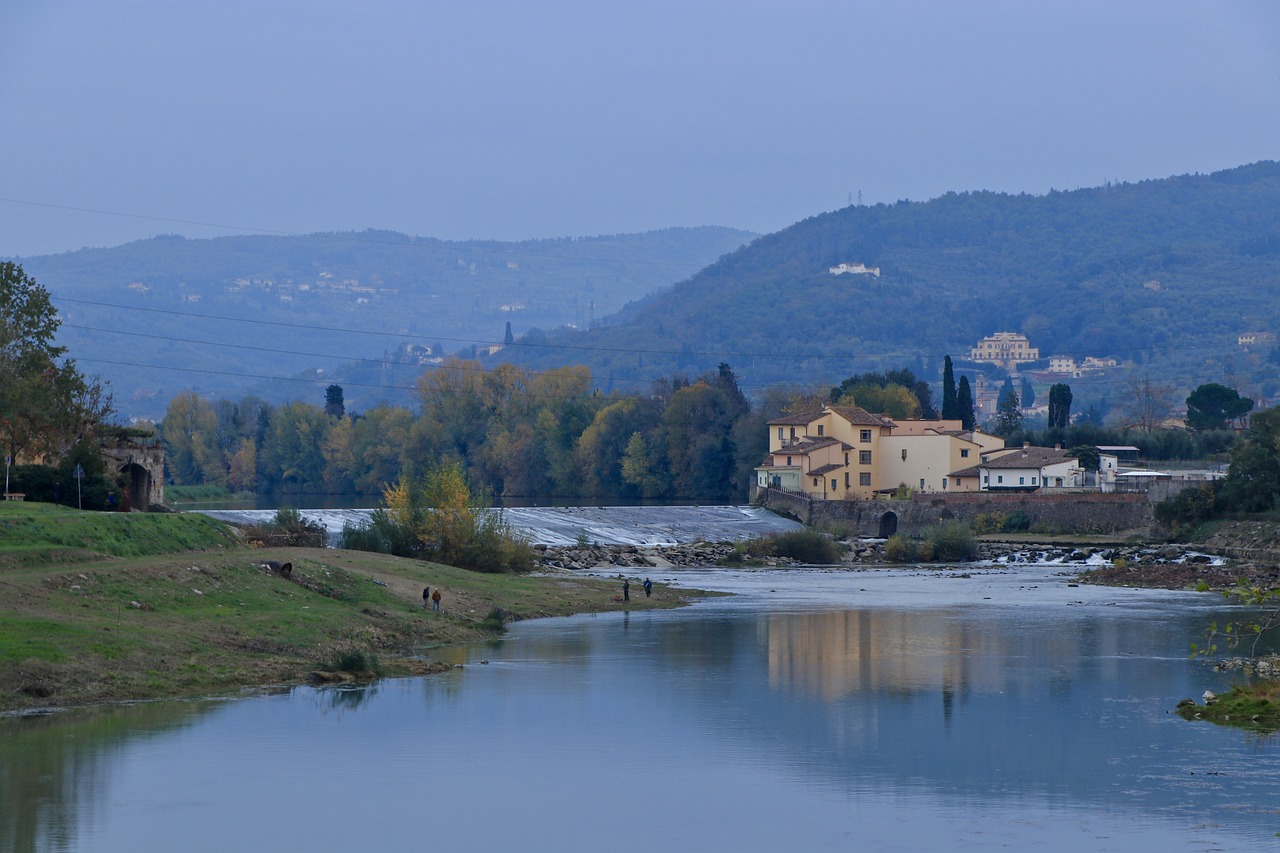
(604, 525)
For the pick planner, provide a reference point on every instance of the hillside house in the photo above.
(845, 452)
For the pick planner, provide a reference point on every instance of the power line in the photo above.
(722, 354)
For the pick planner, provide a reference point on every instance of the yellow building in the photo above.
(845, 452)
(1006, 349)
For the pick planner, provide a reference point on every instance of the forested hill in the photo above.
(1165, 273)
(140, 314)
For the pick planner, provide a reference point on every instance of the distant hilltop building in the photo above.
(854, 269)
(1249, 339)
(1067, 365)
(1005, 349)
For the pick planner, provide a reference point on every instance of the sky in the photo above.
(509, 119)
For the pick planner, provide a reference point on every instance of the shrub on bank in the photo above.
(807, 546)
(953, 542)
(438, 517)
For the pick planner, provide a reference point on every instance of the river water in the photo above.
(965, 708)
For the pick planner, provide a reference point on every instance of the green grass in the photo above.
(1254, 706)
(31, 533)
(211, 621)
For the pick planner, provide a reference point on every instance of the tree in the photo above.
(950, 408)
(1028, 394)
(1214, 406)
(334, 405)
(46, 404)
(1148, 404)
(1008, 411)
(892, 400)
(1253, 478)
(964, 405)
(508, 338)
(1059, 406)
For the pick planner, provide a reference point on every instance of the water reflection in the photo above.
(53, 766)
(726, 726)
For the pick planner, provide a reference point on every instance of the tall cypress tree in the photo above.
(964, 404)
(950, 409)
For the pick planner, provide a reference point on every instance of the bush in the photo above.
(945, 543)
(1190, 507)
(900, 549)
(807, 546)
(288, 529)
(990, 522)
(438, 518)
(495, 621)
(354, 660)
(1018, 522)
(952, 542)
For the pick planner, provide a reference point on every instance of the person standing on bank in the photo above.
(435, 599)
(648, 587)
(426, 596)
(626, 590)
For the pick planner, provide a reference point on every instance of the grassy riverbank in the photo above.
(112, 606)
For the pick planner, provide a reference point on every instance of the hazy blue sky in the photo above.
(513, 118)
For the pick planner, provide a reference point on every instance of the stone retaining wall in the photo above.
(1074, 512)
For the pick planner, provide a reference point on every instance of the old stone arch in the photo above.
(143, 472)
(888, 524)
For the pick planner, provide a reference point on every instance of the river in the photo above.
(891, 709)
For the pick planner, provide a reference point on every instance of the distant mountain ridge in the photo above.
(1162, 274)
(319, 300)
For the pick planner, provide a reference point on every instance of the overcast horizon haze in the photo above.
(510, 121)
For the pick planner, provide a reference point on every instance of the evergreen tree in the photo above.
(964, 404)
(1008, 411)
(1059, 406)
(950, 406)
(508, 338)
(334, 404)
(1028, 395)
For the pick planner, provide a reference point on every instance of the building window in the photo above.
(820, 429)
(864, 457)
(1022, 481)
(864, 479)
(846, 479)
(864, 436)
(1059, 482)
(986, 479)
(964, 451)
(793, 433)
(834, 485)
(922, 484)
(1033, 481)
(788, 460)
(904, 454)
(780, 436)
(815, 481)
(999, 478)
(846, 459)
(944, 484)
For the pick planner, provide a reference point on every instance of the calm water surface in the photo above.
(815, 710)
